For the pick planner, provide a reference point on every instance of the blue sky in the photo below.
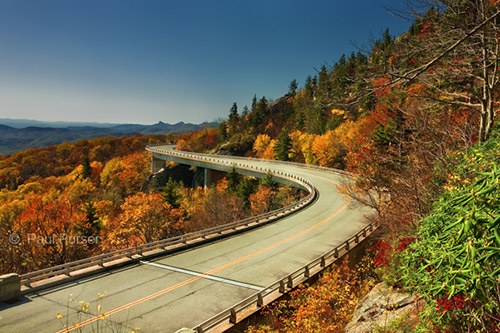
(131, 61)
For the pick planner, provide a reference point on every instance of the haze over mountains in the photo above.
(21, 134)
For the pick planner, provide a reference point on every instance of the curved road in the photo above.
(166, 294)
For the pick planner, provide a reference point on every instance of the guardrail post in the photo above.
(282, 287)
(101, 262)
(184, 241)
(199, 329)
(290, 282)
(129, 253)
(27, 283)
(66, 270)
(347, 246)
(139, 250)
(364, 233)
(232, 318)
(323, 262)
(370, 227)
(306, 272)
(336, 253)
(260, 300)
(356, 239)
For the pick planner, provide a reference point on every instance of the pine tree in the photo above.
(283, 146)
(245, 112)
(91, 225)
(87, 169)
(233, 180)
(233, 118)
(267, 181)
(254, 102)
(309, 87)
(171, 194)
(245, 189)
(292, 88)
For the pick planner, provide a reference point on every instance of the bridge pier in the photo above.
(210, 177)
(157, 164)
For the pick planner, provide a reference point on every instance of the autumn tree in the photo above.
(264, 146)
(454, 50)
(48, 228)
(215, 207)
(145, 218)
(261, 201)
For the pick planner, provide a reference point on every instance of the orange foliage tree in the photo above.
(144, 218)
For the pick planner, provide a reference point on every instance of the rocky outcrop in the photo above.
(383, 305)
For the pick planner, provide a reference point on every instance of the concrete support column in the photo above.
(211, 177)
(207, 178)
(157, 164)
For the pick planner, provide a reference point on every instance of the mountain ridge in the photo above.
(14, 139)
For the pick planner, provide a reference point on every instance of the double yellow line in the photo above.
(215, 270)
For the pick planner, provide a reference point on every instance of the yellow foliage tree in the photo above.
(264, 146)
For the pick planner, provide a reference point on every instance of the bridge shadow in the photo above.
(19, 300)
(78, 281)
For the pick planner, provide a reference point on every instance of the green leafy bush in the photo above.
(455, 261)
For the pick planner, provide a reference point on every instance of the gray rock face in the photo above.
(381, 306)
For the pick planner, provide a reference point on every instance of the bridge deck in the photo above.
(169, 293)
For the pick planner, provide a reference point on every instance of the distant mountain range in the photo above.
(21, 134)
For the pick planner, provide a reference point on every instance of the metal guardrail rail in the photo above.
(285, 284)
(132, 253)
(211, 157)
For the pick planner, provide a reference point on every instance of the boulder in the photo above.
(380, 307)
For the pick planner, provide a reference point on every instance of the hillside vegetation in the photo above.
(74, 200)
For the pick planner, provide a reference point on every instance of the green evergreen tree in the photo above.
(259, 112)
(233, 119)
(254, 102)
(324, 80)
(315, 122)
(171, 193)
(91, 225)
(292, 88)
(222, 129)
(233, 180)
(245, 189)
(87, 169)
(309, 87)
(300, 121)
(283, 146)
(245, 112)
(267, 181)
